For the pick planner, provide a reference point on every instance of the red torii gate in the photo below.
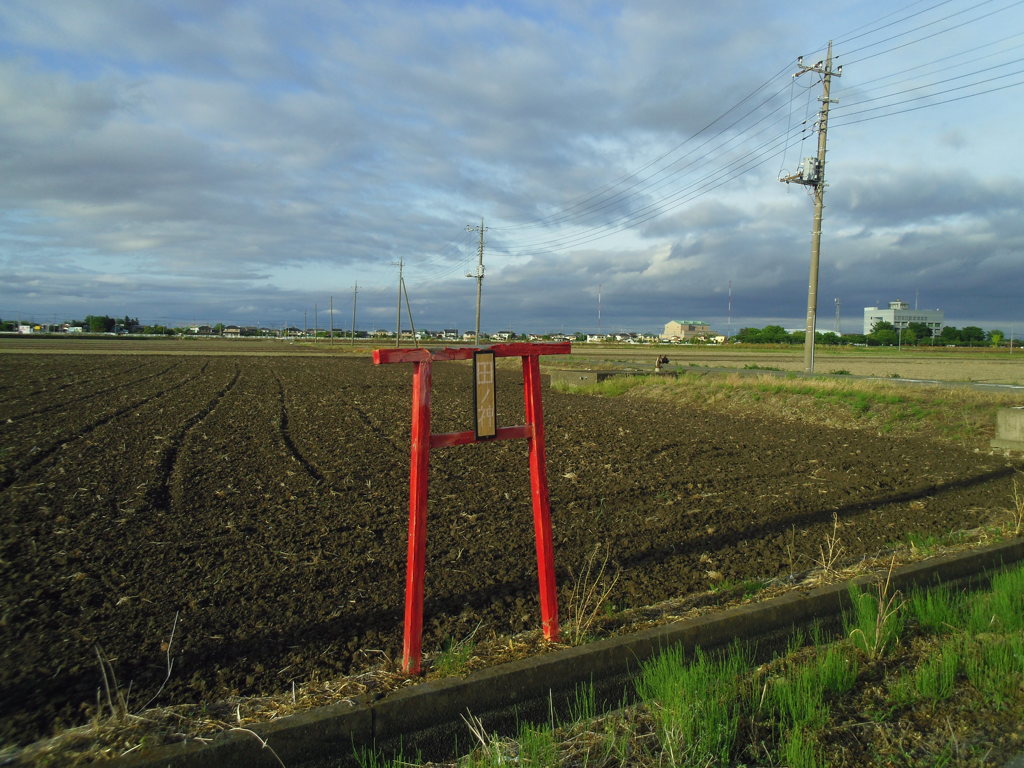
(419, 468)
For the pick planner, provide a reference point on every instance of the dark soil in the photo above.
(263, 501)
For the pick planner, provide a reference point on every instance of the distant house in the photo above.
(233, 331)
(685, 330)
(502, 335)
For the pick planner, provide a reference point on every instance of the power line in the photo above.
(566, 212)
(932, 35)
(704, 159)
(928, 106)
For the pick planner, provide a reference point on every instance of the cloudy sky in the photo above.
(201, 161)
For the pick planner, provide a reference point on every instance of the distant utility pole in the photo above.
(479, 275)
(730, 308)
(355, 293)
(812, 174)
(401, 284)
(316, 322)
(838, 332)
(331, 313)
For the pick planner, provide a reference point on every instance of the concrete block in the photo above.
(1009, 429)
(581, 378)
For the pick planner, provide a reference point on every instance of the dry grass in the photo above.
(962, 416)
(1017, 510)
(831, 550)
(588, 596)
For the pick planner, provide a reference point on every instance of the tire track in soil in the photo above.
(165, 493)
(282, 426)
(84, 398)
(39, 456)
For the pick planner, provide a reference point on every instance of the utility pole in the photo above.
(838, 332)
(812, 174)
(355, 293)
(316, 322)
(401, 283)
(331, 313)
(730, 308)
(479, 275)
(408, 312)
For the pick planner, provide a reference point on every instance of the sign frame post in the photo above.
(419, 469)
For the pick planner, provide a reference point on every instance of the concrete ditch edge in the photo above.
(427, 718)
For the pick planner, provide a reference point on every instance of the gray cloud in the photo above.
(223, 161)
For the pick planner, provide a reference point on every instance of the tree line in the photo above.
(882, 334)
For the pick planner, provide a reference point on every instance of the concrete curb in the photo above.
(426, 718)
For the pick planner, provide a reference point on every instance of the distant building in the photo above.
(901, 315)
(683, 330)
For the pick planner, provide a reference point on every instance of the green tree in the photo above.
(748, 336)
(995, 337)
(950, 335)
(972, 334)
(883, 333)
(775, 334)
(828, 337)
(922, 333)
(99, 323)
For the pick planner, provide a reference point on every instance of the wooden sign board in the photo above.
(484, 408)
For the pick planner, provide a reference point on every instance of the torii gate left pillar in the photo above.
(419, 469)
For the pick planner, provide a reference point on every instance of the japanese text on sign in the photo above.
(483, 390)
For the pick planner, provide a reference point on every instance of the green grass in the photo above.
(697, 703)
(746, 587)
(453, 659)
(936, 611)
(708, 709)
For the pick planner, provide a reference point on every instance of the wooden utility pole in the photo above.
(355, 294)
(401, 283)
(812, 174)
(479, 275)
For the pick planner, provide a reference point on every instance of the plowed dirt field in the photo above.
(263, 500)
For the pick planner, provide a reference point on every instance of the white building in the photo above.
(901, 315)
(683, 330)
